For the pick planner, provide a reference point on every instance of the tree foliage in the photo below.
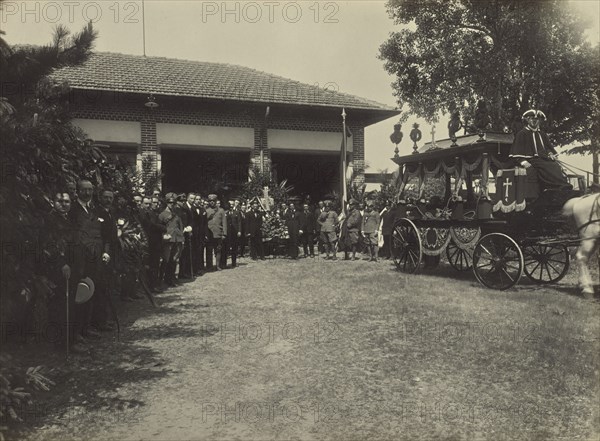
(513, 54)
(41, 153)
(23, 67)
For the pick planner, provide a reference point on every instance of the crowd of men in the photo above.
(186, 235)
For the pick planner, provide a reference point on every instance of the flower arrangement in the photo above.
(274, 227)
(133, 243)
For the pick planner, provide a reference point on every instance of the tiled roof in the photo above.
(174, 77)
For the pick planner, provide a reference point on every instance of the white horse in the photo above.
(585, 211)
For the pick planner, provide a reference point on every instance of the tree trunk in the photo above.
(497, 122)
(595, 168)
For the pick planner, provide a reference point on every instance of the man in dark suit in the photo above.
(111, 246)
(243, 238)
(154, 230)
(225, 242)
(387, 225)
(199, 233)
(253, 232)
(187, 213)
(234, 229)
(89, 237)
(307, 225)
(63, 268)
(292, 221)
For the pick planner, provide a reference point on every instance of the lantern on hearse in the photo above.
(415, 136)
(396, 137)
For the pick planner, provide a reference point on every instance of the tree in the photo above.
(40, 152)
(588, 106)
(513, 54)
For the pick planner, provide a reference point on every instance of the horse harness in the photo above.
(595, 210)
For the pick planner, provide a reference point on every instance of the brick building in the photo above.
(206, 123)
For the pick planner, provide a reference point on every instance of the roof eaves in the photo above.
(245, 99)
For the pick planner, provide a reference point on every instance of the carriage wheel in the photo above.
(460, 259)
(546, 263)
(406, 246)
(497, 261)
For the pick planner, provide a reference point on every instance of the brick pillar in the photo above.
(149, 147)
(358, 153)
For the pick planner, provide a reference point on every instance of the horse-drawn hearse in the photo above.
(464, 197)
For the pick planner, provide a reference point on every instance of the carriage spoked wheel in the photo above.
(459, 258)
(497, 261)
(546, 263)
(406, 246)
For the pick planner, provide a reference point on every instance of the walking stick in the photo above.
(191, 262)
(112, 305)
(68, 327)
(144, 283)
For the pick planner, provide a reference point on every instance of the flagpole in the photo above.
(344, 167)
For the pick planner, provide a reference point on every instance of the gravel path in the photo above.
(319, 350)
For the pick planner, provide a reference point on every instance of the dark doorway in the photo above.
(204, 171)
(311, 174)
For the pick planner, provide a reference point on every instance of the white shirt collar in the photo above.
(85, 205)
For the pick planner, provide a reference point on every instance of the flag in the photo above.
(346, 133)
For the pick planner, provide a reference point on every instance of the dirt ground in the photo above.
(321, 350)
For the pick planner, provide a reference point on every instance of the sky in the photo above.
(323, 43)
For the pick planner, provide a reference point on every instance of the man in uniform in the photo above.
(217, 231)
(353, 227)
(327, 221)
(370, 227)
(320, 209)
(172, 241)
(532, 148)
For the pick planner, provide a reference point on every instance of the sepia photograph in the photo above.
(300, 220)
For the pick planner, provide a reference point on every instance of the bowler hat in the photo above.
(535, 114)
(85, 290)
